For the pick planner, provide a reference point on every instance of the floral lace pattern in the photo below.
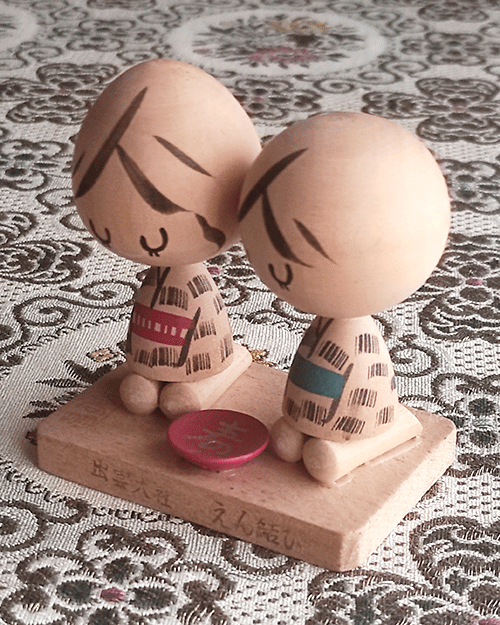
(70, 555)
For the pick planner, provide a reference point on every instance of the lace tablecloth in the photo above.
(72, 555)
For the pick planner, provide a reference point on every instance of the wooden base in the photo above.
(94, 441)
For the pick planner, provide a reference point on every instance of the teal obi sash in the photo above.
(315, 379)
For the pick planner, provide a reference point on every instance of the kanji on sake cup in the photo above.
(218, 440)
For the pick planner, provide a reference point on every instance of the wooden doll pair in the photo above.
(342, 215)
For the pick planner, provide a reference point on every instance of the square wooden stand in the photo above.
(94, 441)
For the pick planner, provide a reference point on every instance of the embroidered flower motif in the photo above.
(39, 262)
(465, 291)
(274, 99)
(14, 224)
(27, 165)
(62, 94)
(452, 48)
(474, 404)
(115, 576)
(452, 110)
(78, 379)
(460, 10)
(278, 40)
(461, 556)
(360, 596)
(108, 35)
(284, 56)
(474, 186)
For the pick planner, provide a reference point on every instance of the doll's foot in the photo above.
(140, 395)
(178, 398)
(286, 441)
(328, 461)
(321, 461)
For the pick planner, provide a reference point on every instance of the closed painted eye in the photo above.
(155, 251)
(153, 197)
(276, 236)
(106, 241)
(284, 284)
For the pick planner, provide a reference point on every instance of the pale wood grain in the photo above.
(94, 441)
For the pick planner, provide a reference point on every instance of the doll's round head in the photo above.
(344, 214)
(159, 163)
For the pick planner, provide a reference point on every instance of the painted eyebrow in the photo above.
(312, 240)
(259, 190)
(149, 193)
(102, 157)
(162, 204)
(182, 156)
(264, 181)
